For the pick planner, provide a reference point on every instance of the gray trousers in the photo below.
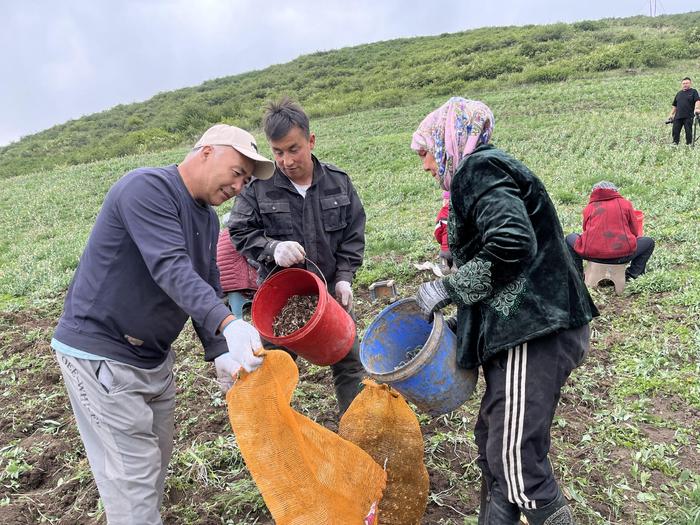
(125, 416)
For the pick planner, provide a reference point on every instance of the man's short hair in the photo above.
(686, 78)
(282, 116)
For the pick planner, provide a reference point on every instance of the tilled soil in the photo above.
(54, 484)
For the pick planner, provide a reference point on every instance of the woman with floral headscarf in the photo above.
(523, 310)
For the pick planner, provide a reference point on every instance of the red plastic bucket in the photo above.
(326, 338)
(639, 219)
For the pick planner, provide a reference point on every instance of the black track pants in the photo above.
(523, 387)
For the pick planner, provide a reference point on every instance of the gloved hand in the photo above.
(242, 340)
(226, 368)
(289, 253)
(343, 292)
(432, 296)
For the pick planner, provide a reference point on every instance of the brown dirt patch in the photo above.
(57, 486)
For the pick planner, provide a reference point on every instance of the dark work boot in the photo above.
(557, 512)
(495, 509)
(348, 374)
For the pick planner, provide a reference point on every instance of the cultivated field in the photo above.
(626, 439)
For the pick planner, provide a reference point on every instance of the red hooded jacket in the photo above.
(609, 227)
(235, 272)
(441, 227)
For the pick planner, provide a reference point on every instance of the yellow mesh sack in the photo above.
(306, 474)
(381, 423)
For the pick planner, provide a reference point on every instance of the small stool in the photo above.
(596, 272)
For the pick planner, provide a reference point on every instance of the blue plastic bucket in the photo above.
(431, 380)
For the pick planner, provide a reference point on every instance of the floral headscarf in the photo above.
(452, 132)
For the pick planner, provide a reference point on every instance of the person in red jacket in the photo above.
(611, 233)
(441, 231)
(239, 279)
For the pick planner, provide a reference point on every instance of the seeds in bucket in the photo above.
(294, 314)
(410, 356)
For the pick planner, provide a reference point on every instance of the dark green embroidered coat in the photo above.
(516, 280)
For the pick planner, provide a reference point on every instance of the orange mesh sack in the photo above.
(380, 422)
(306, 474)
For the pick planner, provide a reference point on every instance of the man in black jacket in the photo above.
(685, 103)
(307, 211)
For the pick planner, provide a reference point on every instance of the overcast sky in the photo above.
(62, 59)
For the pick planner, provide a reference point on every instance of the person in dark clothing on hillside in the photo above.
(149, 265)
(523, 309)
(307, 214)
(685, 104)
(611, 233)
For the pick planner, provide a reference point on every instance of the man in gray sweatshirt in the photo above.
(149, 265)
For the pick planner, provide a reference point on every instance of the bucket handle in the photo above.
(319, 271)
(305, 258)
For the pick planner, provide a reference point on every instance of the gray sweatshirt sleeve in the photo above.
(214, 345)
(150, 215)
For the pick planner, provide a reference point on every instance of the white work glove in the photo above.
(242, 340)
(343, 292)
(226, 368)
(289, 253)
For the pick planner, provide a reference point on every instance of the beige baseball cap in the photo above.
(243, 142)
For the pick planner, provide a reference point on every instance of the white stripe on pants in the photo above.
(523, 386)
(516, 375)
(126, 422)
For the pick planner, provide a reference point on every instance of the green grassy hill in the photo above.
(626, 439)
(385, 74)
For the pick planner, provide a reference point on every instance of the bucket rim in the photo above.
(315, 317)
(419, 361)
